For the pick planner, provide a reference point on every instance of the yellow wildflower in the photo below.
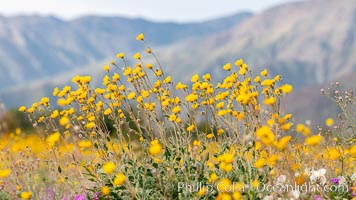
(265, 134)
(137, 56)
(236, 195)
(220, 131)
(140, 37)
(106, 68)
(54, 114)
(227, 167)
(148, 50)
(155, 148)
(259, 163)
(120, 55)
(30, 110)
(220, 105)
(271, 160)
(334, 154)
(264, 72)
(119, 179)
(105, 190)
(191, 97)
(26, 195)
(286, 89)
(223, 196)
(109, 167)
(108, 111)
(149, 66)
(195, 78)
(172, 117)
(257, 79)
(5, 173)
(239, 62)
(62, 102)
(286, 126)
(313, 140)
(352, 150)
(131, 95)
(53, 138)
(213, 177)
(190, 128)
(255, 183)
(224, 185)
(181, 86)
(63, 121)
(202, 191)
(296, 166)
(22, 109)
(85, 144)
(176, 109)
(226, 157)
(269, 101)
(167, 79)
(90, 125)
(196, 143)
(227, 67)
(44, 100)
(145, 93)
(329, 122)
(207, 77)
(55, 91)
(283, 142)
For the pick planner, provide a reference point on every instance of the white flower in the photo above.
(342, 180)
(77, 128)
(307, 171)
(268, 197)
(294, 194)
(318, 175)
(281, 179)
(308, 122)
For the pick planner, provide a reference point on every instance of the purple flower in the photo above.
(79, 197)
(96, 196)
(317, 197)
(335, 181)
(50, 193)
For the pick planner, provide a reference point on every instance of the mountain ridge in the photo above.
(28, 44)
(302, 42)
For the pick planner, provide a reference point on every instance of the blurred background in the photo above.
(44, 43)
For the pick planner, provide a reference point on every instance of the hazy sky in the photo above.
(161, 10)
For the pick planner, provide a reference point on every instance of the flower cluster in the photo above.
(140, 135)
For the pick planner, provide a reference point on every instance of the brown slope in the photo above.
(308, 42)
(310, 104)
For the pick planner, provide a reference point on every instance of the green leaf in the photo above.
(155, 165)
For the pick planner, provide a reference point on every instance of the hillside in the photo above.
(309, 42)
(36, 47)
